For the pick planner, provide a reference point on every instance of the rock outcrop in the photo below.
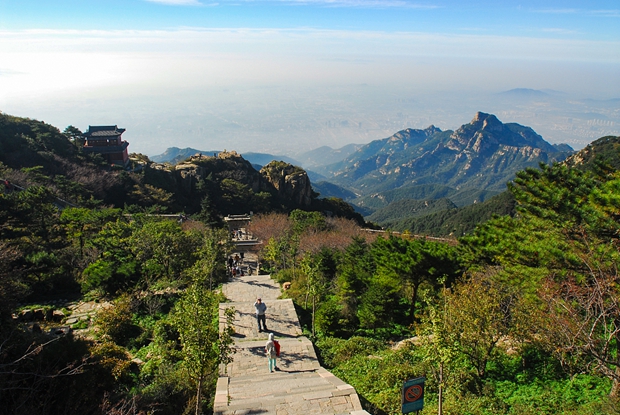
(289, 181)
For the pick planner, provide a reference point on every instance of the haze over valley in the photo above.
(292, 120)
(288, 77)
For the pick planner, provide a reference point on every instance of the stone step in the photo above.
(300, 386)
(310, 402)
(279, 383)
(281, 319)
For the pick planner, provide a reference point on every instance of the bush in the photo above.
(116, 323)
(167, 389)
(115, 361)
(329, 320)
(285, 275)
(333, 351)
(379, 376)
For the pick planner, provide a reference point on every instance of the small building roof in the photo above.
(103, 131)
(234, 218)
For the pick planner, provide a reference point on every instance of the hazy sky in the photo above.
(281, 76)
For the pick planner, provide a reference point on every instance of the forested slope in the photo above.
(521, 316)
(456, 221)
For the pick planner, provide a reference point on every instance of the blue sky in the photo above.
(578, 19)
(218, 66)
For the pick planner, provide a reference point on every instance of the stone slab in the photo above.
(300, 386)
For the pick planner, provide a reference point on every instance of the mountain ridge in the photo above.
(175, 155)
(483, 154)
(604, 151)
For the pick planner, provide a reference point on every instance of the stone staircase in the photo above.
(300, 386)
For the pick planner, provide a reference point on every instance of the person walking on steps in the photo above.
(270, 350)
(260, 308)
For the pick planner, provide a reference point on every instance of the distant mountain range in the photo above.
(466, 166)
(175, 155)
(404, 176)
(314, 158)
(529, 93)
(484, 155)
(325, 155)
(416, 170)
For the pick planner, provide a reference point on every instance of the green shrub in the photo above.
(168, 389)
(329, 321)
(114, 360)
(334, 351)
(116, 323)
(285, 275)
(80, 325)
(379, 376)
(552, 396)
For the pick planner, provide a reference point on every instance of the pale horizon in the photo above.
(284, 77)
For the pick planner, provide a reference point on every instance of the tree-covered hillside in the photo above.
(36, 153)
(521, 316)
(409, 208)
(605, 149)
(452, 221)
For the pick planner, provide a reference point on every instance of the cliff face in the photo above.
(225, 165)
(284, 181)
(290, 182)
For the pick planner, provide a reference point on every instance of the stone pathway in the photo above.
(300, 386)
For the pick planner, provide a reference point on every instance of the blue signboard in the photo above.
(413, 395)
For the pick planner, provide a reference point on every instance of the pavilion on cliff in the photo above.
(106, 140)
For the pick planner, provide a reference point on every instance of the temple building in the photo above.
(106, 140)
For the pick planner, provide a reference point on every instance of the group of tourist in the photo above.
(234, 265)
(237, 234)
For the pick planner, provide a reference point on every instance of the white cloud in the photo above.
(326, 3)
(309, 44)
(559, 31)
(363, 3)
(601, 13)
(606, 13)
(53, 61)
(8, 72)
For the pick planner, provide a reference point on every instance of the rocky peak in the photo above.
(291, 182)
(484, 153)
(485, 133)
(234, 157)
(488, 122)
(408, 137)
(431, 129)
(480, 117)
